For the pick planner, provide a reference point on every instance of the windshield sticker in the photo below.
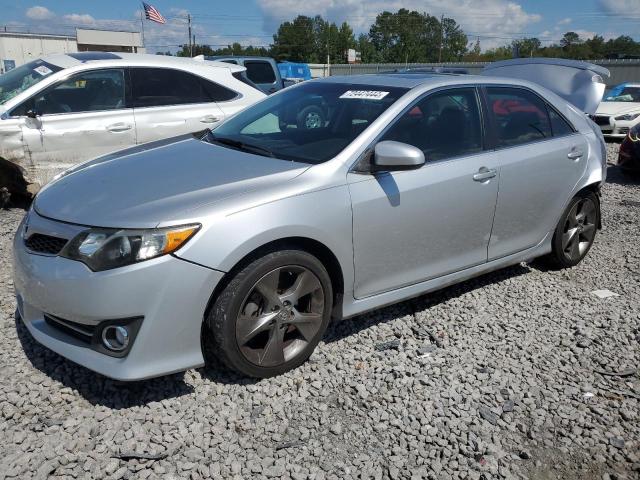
(364, 94)
(42, 70)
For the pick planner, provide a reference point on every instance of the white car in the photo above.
(63, 109)
(620, 111)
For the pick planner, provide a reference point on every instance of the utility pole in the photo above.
(441, 37)
(190, 44)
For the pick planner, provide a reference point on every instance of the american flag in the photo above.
(153, 14)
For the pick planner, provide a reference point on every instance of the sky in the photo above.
(253, 22)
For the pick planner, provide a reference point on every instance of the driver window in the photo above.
(92, 91)
(443, 125)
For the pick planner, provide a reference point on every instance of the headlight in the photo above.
(103, 249)
(628, 117)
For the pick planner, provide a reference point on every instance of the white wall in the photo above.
(23, 49)
(104, 37)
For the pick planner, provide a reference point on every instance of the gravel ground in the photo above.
(505, 376)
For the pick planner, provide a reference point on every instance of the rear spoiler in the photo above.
(580, 83)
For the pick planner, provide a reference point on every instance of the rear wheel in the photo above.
(271, 315)
(575, 231)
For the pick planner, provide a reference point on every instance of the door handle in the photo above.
(209, 119)
(575, 154)
(485, 174)
(119, 127)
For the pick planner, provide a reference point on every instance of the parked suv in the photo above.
(263, 71)
(61, 110)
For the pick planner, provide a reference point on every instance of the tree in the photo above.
(406, 36)
(596, 47)
(368, 52)
(569, 39)
(621, 47)
(185, 50)
(527, 47)
(454, 40)
(295, 41)
(345, 41)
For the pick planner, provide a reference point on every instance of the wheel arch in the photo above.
(595, 189)
(309, 245)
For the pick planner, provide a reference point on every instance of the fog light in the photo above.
(115, 337)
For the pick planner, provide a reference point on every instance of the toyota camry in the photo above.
(245, 241)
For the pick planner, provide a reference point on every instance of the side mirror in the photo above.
(390, 156)
(33, 113)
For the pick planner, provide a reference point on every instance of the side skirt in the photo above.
(352, 307)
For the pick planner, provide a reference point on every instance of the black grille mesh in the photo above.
(601, 120)
(45, 243)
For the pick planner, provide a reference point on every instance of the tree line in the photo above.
(408, 36)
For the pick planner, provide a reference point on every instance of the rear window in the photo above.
(260, 72)
(519, 116)
(155, 87)
(559, 125)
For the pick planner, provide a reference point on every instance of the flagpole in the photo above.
(142, 26)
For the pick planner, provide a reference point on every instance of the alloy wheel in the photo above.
(579, 229)
(312, 120)
(282, 313)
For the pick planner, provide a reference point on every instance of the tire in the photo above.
(575, 232)
(282, 300)
(311, 117)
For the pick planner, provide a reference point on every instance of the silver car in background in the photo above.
(244, 242)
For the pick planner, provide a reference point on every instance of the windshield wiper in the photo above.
(242, 146)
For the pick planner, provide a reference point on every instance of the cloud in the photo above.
(618, 6)
(564, 21)
(39, 13)
(494, 21)
(585, 34)
(82, 19)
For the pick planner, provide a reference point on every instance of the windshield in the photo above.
(311, 123)
(628, 94)
(19, 79)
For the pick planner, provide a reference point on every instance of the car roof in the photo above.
(238, 57)
(68, 60)
(413, 80)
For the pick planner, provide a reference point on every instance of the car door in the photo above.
(169, 102)
(262, 73)
(77, 119)
(411, 226)
(541, 158)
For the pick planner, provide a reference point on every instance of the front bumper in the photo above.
(170, 294)
(618, 128)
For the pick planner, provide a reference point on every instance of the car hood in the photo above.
(157, 182)
(617, 108)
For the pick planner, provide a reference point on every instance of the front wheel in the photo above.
(575, 231)
(311, 117)
(271, 315)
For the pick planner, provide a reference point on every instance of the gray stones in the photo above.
(488, 415)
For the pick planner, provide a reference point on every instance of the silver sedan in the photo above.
(245, 241)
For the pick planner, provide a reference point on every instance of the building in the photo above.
(19, 48)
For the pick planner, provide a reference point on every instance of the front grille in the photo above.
(623, 130)
(40, 243)
(602, 120)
